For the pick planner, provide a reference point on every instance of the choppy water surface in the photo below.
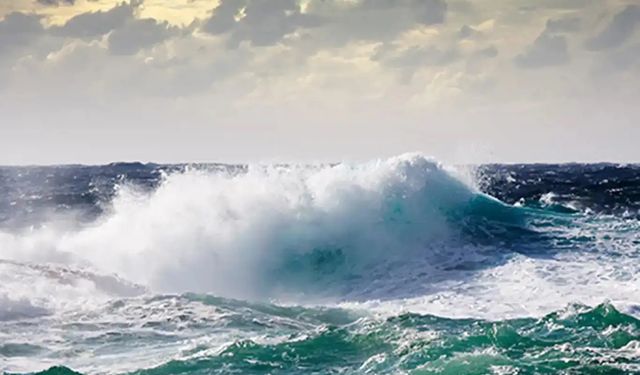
(393, 266)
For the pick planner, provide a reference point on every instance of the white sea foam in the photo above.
(246, 235)
(219, 232)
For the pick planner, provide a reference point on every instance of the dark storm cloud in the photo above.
(565, 25)
(550, 47)
(546, 50)
(19, 30)
(620, 29)
(626, 58)
(528, 5)
(426, 12)
(267, 22)
(137, 34)
(466, 31)
(375, 20)
(95, 24)
(56, 2)
(618, 61)
(127, 34)
(263, 22)
(20, 25)
(488, 52)
(567, 4)
(223, 17)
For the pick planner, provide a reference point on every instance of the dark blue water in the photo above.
(26, 193)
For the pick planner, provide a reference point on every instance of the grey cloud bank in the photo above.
(314, 79)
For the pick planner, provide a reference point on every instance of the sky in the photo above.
(97, 81)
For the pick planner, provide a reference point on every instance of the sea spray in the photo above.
(235, 234)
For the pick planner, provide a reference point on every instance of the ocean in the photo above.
(394, 266)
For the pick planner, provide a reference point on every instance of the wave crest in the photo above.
(268, 229)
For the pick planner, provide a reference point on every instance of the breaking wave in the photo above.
(270, 230)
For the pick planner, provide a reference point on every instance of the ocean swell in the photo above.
(273, 230)
(391, 266)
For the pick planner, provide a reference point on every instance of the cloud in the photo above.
(426, 12)
(617, 62)
(369, 62)
(412, 58)
(96, 24)
(262, 22)
(550, 47)
(137, 34)
(466, 31)
(546, 50)
(56, 2)
(488, 52)
(415, 56)
(528, 5)
(223, 17)
(373, 20)
(19, 30)
(267, 22)
(567, 4)
(127, 34)
(626, 58)
(563, 25)
(617, 31)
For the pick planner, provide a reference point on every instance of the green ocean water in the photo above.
(577, 340)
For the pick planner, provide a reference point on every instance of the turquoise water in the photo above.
(294, 340)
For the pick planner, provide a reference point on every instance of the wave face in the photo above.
(391, 266)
